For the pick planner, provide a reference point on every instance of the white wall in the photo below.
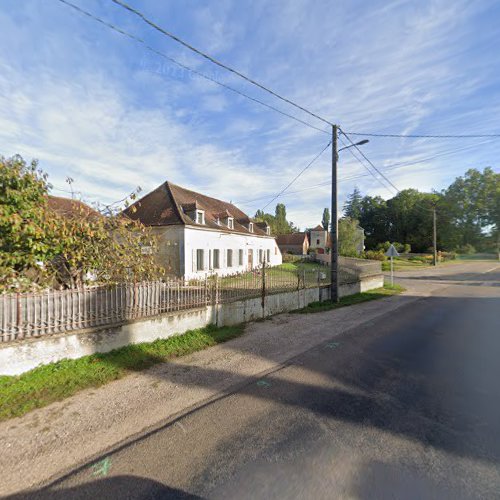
(208, 240)
(318, 235)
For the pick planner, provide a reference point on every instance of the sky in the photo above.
(98, 107)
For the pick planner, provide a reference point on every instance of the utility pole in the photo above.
(434, 234)
(334, 262)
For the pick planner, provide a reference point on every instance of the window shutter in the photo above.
(194, 260)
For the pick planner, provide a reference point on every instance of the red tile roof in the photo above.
(164, 207)
(319, 227)
(71, 208)
(291, 239)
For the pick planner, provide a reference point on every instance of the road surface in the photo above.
(406, 406)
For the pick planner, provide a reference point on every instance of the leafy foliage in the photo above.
(468, 213)
(40, 246)
(350, 238)
(278, 222)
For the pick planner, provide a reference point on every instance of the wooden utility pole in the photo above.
(434, 235)
(334, 262)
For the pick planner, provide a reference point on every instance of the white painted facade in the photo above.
(217, 252)
(196, 252)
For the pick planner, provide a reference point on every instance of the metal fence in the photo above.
(50, 312)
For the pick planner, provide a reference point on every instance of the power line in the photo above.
(186, 67)
(377, 170)
(392, 166)
(425, 136)
(298, 175)
(369, 161)
(215, 61)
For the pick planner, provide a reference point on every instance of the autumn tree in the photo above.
(39, 246)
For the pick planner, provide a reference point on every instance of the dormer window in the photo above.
(200, 217)
(250, 227)
(217, 221)
(268, 230)
(230, 223)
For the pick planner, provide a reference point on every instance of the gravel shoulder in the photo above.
(50, 441)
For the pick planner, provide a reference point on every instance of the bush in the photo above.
(444, 256)
(406, 248)
(467, 249)
(289, 257)
(374, 255)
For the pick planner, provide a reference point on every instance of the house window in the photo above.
(199, 259)
(317, 241)
(250, 227)
(200, 217)
(229, 258)
(268, 256)
(210, 267)
(216, 259)
(230, 223)
(268, 230)
(217, 221)
(261, 256)
(275, 250)
(240, 258)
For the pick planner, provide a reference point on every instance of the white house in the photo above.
(199, 235)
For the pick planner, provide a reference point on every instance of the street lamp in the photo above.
(334, 229)
(360, 143)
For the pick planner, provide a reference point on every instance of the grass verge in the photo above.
(56, 381)
(378, 293)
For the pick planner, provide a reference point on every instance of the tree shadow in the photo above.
(125, 486)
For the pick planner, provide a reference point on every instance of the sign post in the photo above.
(392, 252)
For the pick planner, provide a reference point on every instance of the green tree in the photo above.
(325, 221)
(39, 246)
(350, 237)
(282, 225)
(373, 220)
(353, 205)
(26, 232)
(471, 205)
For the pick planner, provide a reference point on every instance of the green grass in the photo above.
(378, 293)
(477, 256)
(56, 381)
(404, 264)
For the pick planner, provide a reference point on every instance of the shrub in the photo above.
(406, 248)
(444, 256)
(374, 255)
(466, 249)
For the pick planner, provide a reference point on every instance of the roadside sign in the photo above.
(392, 252)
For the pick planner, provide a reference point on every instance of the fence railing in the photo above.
(28, 315)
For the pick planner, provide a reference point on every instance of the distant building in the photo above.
(320, 240)
(293, 243)
(199, 235)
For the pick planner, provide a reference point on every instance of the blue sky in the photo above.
(98, 107)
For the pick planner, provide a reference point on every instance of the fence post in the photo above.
(19, 319)
(263, 288)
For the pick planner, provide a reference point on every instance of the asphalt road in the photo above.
(407, 406)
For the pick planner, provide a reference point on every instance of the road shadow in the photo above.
(116, 487)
